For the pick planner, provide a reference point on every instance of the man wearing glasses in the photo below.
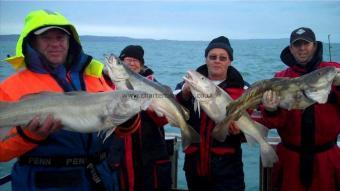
(213, 165)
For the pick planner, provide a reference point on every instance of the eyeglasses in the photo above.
(214, 57)
(131, 60)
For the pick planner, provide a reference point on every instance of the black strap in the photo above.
(315, 149)
(307, 141)
(27, 138)
(61, 161)
(306, 158)
(60, 180)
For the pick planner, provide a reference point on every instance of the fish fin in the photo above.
(197, 107)
(37, 95)
(158, 113)
(186, 113)
(320, 95)
(191, 137)
(262, 129)
(221, 130)
(268, 154)
(109, 132)
(128, 84)
(110, 122)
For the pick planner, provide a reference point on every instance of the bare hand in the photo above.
(186, 93)
(270, 100)
(336, 80)
(48, 126)
(234, 129)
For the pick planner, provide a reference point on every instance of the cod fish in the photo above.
(213, 100)
(163, 102)
(294, 93)
(78, 111)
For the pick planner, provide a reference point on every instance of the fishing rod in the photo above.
(329, 47)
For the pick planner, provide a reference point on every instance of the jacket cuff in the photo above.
(271, 113)
(129, 126)
(30, 136)
(159, 121)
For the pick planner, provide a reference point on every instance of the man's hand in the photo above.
(336, 80)
(48, 126)
(270, 100)
(186, 93)
(233, 129)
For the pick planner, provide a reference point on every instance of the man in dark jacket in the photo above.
(145, 163)
(213, 165)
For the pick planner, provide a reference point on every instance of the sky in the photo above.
(186, 19)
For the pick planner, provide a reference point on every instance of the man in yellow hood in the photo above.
(49, 57)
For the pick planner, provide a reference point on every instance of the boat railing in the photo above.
(173, 145)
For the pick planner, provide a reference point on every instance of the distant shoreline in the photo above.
(122, 38)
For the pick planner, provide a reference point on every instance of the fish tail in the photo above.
(250, 140)
(221, 130)
(261, 128)
(268, 155)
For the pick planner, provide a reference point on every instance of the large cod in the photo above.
(78, 111)
(163, 103)
(213, 100)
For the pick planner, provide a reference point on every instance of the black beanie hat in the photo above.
(220, 42)
(134, 51)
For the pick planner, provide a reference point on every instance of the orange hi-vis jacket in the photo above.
(27, 82)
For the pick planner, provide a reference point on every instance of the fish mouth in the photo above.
(190, 79)
(193, 81)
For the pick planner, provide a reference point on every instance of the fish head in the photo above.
(114, 68)
(200, 86)
(317, 84)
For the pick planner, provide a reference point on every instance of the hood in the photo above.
(146, 71)
(234, 78)
(287, 58)
(34, 21)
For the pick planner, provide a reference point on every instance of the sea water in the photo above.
(170, 60)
